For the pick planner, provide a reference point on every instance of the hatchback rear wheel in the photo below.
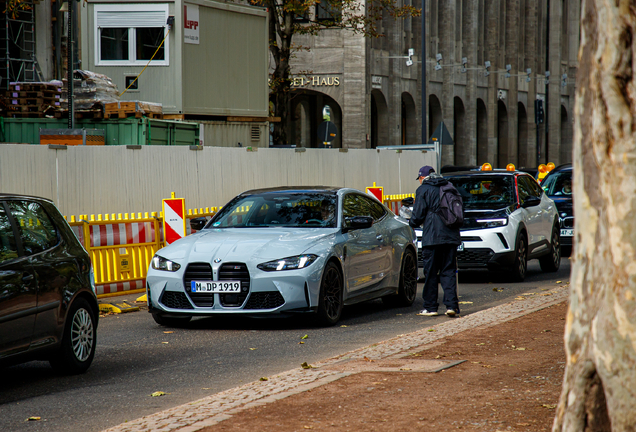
(552, 261)
(78, 340)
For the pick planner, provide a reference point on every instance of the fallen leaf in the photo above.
(415, 355)
(164, 342)
(308, 427)
(431, 330)
(548, 406)
(405, 369)
(398, 314)
(306, 365)
(168, 332)
(546, 294)
(465, 302)
(301, 342)
(305, 337)
(264, 379)
(438, 356)
(158, 393)
(205, 388)
(368, 359)
(252, 349)
(498, 289)
(487, 366)
(34, 418)
(520, 349)
(343, 325)
(558, 281)
(483, 343)
(523, 424)
(520, 298)
(528, 294)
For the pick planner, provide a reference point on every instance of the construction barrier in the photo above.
(122, 246)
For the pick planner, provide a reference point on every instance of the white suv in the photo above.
(508, 220)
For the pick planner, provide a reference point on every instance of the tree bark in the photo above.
(600, 334)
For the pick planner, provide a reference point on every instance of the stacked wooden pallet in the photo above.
(138, 109)
(31, 99)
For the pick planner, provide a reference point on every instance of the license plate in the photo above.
(460, 247)
(567, 232)
(215, 287)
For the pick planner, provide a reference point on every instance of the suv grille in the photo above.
(201, 272)
(235, 271)
(479, 256)
(265, 300)
(175, 300)
(568, 222)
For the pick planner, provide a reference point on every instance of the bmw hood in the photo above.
(248, 244)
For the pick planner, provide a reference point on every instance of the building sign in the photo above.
(316, 81)
(376, 82)
(190, 23)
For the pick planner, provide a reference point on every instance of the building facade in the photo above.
(489, 65)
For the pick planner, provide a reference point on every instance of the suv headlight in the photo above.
(493, 223)
(290, 263)
(160, 263)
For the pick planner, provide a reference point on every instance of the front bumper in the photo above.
(262, 293)
(491, 248)
(567, 231)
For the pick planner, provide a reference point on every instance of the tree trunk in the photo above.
(600, 333)
(280, 34)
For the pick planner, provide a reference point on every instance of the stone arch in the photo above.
(523, 156)
(565, 154)
(306, 113)
(502, 135)
(409, 121)
(379, 119)
(459, 134)
(434, 114)
(482, 132)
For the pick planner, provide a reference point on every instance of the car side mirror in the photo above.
(531, 201)
(197, 224)
(358, 222)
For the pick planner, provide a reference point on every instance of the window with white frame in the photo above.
(131, 34)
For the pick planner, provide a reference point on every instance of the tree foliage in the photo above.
(13, 7)
(308, 17)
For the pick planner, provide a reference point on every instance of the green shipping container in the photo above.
(128, 131)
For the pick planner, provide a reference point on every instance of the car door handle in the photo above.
(27, 279)
(379, 237)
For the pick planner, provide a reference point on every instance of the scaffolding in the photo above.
(17, 46)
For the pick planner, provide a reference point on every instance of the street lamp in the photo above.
(68, 8)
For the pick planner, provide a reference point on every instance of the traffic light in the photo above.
(538, 111)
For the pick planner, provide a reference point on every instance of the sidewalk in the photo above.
(495, 370)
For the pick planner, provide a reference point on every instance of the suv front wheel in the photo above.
(520, 265)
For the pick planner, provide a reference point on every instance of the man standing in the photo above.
(439, 244)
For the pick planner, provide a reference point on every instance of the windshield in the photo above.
(485, 192)
(558, 184)
(278, 209)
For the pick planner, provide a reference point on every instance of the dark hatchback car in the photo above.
(48, 308)
(558, 186)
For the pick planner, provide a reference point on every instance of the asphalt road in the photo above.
(136, 357)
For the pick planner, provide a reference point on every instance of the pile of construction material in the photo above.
(31, 99)
(94, 95)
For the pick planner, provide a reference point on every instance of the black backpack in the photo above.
(451, 206)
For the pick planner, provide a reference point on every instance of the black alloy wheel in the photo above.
(330, 302)
(170, 321)
(77, 350)
(520, 265)
(408, 283)
(552, 261)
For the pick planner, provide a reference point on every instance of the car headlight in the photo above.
(493, 223)
(160, 263)
(290, 263)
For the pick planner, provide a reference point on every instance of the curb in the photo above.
(193, 416)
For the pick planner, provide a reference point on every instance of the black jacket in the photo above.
(434, 230)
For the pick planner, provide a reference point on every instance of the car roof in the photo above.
(502, 173)
(294, 189)
(18, 196)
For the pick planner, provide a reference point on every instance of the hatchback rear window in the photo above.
(36, 229)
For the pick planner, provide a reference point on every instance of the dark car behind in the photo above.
(48, 308)
(558, 186)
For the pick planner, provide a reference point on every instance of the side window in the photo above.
(533, 186)
(376, 210)
(36, 229)
(524, 189)
(355, 205)
(8, 248)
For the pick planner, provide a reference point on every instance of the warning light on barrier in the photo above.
(550, 166)
(174, 227)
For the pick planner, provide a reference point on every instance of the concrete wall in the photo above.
(118, 179)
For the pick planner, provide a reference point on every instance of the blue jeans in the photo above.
(440, 265)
